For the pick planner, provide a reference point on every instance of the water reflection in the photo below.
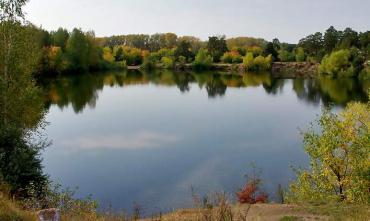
(81, 91)
(149, 137)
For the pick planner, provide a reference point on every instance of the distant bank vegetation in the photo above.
(341, 53)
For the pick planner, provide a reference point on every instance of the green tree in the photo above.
(299, 54)
(331, 39)
(270, 50)
(342, 63)
(217, 47)
(203, 60)
(248, 61)
(339, 153)
(348, 39)
(184, 49)
(276, 43)
(78, 51)
(119, 54)
(167, 62)
(312, 45)
(60, 38)
(285, 56)
(21, 104)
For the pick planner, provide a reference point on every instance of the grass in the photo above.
(219, 210)
(10, 211)
(341, 212)
(290, 218)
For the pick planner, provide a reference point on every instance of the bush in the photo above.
(248, 61)
(339, 159)
(259, 63)
(365, 74)
(251, 193)
(285, 56)
(149, 63)
(167, 62)
(262, 63)
(121, 65)
(299, 54)
(182, 60)
(227, 58)
(341, 63)
(232, 57)
(203, 60)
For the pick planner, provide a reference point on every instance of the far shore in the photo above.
(278, 70)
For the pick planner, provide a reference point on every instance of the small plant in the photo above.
(251, 192)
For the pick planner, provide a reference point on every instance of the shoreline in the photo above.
(278, 70)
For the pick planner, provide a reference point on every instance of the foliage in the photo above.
(232, 57)
(258, 63)
(270, 50)
(245, 42)
(365, 74)
(216, 47)
(9, 210)
(342, 63)
(184, 49)
(149, 63)
(339, 156)
(167, 62)
(82, 51)
(133, 56)
(331, 39)
(20, 103)
(59, 38)
(20, 164)
(203, 60)
(299, 54)
(313, 44)
(285, 56)
(251, 193)
(248, 61)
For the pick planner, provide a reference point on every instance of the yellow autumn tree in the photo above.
(340, 158)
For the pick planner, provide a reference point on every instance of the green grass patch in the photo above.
(290, 218)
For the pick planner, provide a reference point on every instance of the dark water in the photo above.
(149, 137)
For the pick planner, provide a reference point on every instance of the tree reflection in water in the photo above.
(81, 91)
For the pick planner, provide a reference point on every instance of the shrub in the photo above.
(167, 62)
(285, 56)
(341, 63)
(262, 63)
(299, 54)
(182, 60)
(121, 65)
(248, 61)
(250, 194)
(339, 158)
(365, 74)
(203, 60)
(149, 63)
(227, 58)
(232, 57)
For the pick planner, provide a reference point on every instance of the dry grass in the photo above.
(10, 211)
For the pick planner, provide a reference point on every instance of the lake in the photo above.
(150, 138)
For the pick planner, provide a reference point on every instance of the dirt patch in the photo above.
(294, 69)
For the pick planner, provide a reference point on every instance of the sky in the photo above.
(288, 20)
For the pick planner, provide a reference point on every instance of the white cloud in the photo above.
(138, 140)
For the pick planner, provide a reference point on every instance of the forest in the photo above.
(340, 53)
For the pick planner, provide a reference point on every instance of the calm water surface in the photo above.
(149, 137)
